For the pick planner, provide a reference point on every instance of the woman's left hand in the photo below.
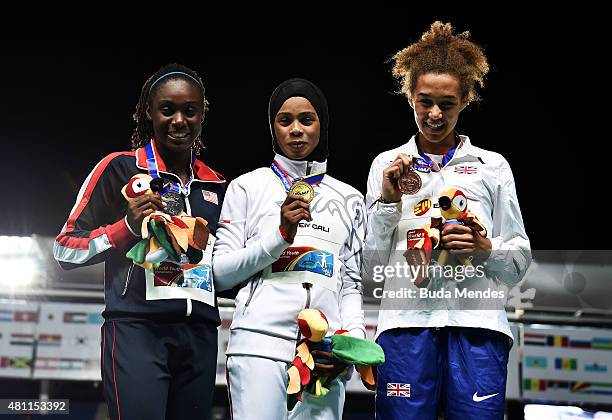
(465, 240)
(330, 370)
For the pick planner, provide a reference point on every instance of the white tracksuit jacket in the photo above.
(249, 248)
(486, 179)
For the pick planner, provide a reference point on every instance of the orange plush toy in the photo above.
(453, 208)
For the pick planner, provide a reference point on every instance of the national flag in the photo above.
(601, 343)
(20, 339)
(532, 339)
(466, 169)
(75, 317)
(26, 316)
(398, 390)
(536, 362)
(210, 196)
(50, 340)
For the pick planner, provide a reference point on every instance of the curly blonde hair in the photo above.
(441, 51)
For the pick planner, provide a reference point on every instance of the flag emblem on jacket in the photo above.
(398, 390)
(210, 196)
(466, 169)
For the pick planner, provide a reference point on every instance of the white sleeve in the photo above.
(511, 251)
(233, 260)
(351, 293)
(382, 220)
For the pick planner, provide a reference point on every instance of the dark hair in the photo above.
(143, 132)
(441, 51)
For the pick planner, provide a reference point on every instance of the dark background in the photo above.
(70, 86)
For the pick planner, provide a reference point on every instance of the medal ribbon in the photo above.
(286, 180)
(426, 160)
(169, 186)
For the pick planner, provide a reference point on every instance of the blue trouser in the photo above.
(467, 366)
(157, 371)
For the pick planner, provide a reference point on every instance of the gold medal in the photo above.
(302, 189)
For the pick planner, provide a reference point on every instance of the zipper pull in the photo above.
(127, 280)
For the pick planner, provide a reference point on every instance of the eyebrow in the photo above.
(165, 100)
(287, 113)
(442, 97)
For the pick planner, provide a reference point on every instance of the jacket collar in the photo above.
(200, 171)
(300, 168)
(465, 149)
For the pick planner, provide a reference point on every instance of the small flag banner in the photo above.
(578, 387)
(11, 362)
(536, 362)
(565, 363)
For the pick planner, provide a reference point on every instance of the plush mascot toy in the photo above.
(164, 236)
(341, 346)
(453, 208)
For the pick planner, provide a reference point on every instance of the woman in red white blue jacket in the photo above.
(159, 343)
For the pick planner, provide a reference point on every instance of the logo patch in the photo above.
(468, 170)
(421, 165)
(422, 207)
(398, 390)
(303, 258)
(476, 398)
(210, 196)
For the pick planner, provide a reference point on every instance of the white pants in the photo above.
(258, 390)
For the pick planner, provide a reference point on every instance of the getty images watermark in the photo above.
(421, 277)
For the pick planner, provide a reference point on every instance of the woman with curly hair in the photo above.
(159, 342)
(441, 349)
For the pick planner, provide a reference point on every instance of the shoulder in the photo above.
(385, 158)
(116, 163)
(490, 157)
(341, 188)
(253, 178)
(206, 173)
(118, 158)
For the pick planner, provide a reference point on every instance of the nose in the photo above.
(179, 120)
(435, 113)
(296, 129)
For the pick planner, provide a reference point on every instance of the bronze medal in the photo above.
(302, 189)
(409, 183)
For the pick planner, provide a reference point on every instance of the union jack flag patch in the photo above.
(211, 197)
(398, 390)
(466, 169)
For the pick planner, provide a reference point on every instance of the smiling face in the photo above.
(176, 113)
(297, 128)
(437, 103)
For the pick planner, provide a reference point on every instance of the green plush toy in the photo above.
(350, 350)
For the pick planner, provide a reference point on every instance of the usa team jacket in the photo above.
(96, 231)
(320, 269)
(487, 181)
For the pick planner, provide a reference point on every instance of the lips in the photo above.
(434, 125)
(297, 145)
(179, 137)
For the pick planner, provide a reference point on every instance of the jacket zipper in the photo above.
(306, 306)
(307, 287)
(254, 286)
(127, 279)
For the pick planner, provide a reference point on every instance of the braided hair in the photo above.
(441, 51)
(143, 132)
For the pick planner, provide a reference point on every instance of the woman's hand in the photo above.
(329, 370)
(140, 207)
(293, 210)
(390, 190)
(465, 241)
